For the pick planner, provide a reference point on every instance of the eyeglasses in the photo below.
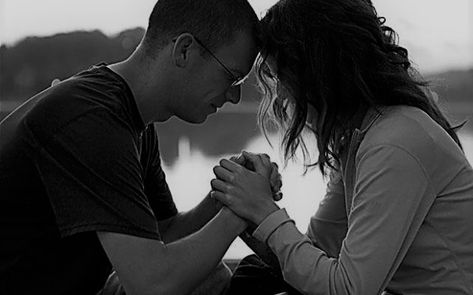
(237, 81)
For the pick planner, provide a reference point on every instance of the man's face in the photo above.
(210, 78)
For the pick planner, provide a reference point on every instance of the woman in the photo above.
(397, 215)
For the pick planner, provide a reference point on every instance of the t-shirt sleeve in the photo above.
(156, 187)
(92, 174)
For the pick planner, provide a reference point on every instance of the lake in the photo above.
(190, 152)
(190, 174)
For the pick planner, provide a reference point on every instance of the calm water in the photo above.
(190, 176)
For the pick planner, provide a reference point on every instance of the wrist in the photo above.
(233, 221)
(217, 205)
(265, 212)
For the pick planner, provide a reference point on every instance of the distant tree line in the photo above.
(32, 64)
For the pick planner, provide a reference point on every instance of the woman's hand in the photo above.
(246, 159)
(245, 192)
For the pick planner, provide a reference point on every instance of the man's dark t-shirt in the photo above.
(75, 159)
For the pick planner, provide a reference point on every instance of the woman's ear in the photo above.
(182, 49)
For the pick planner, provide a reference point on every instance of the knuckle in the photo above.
(231, 190)
(213, 182)
(239, 170)
(248, 154)
(228, 199)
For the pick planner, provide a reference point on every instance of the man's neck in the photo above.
(149, 99)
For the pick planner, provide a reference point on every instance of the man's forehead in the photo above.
(240, 54)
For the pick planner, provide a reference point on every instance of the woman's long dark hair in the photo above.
(341, 58)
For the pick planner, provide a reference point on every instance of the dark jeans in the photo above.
(253, 276)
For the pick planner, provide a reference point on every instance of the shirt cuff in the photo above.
(270, 224)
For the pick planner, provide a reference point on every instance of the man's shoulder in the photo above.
(82, 94)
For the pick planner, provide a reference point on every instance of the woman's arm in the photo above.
(328, 227)
(261, 249)
(392, 197)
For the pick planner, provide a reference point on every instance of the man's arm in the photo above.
(148, 266)
(186, 223)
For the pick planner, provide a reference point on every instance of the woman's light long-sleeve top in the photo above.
(406, 227)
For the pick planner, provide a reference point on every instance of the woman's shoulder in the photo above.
(398, 125)
(409, 129)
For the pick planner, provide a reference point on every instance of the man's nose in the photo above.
(233, 94)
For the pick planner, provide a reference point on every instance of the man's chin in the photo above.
(195, 118)
(199, 120)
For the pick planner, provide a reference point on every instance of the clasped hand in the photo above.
(248, 185)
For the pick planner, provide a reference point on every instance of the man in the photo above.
(81, 184)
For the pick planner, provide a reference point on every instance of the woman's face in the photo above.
(282, 92)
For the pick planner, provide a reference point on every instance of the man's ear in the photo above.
(181, 51)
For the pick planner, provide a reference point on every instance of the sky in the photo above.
(437, 33)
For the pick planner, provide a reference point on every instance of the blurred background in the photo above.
(41, 41)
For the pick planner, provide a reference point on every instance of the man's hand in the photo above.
(247, 193)
(247, 160)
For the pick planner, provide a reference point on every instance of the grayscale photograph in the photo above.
(236, 147)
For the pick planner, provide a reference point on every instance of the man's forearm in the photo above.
(147, 266)
(192, 258)
(186, 223)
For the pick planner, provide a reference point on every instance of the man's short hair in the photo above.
(214, 22)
